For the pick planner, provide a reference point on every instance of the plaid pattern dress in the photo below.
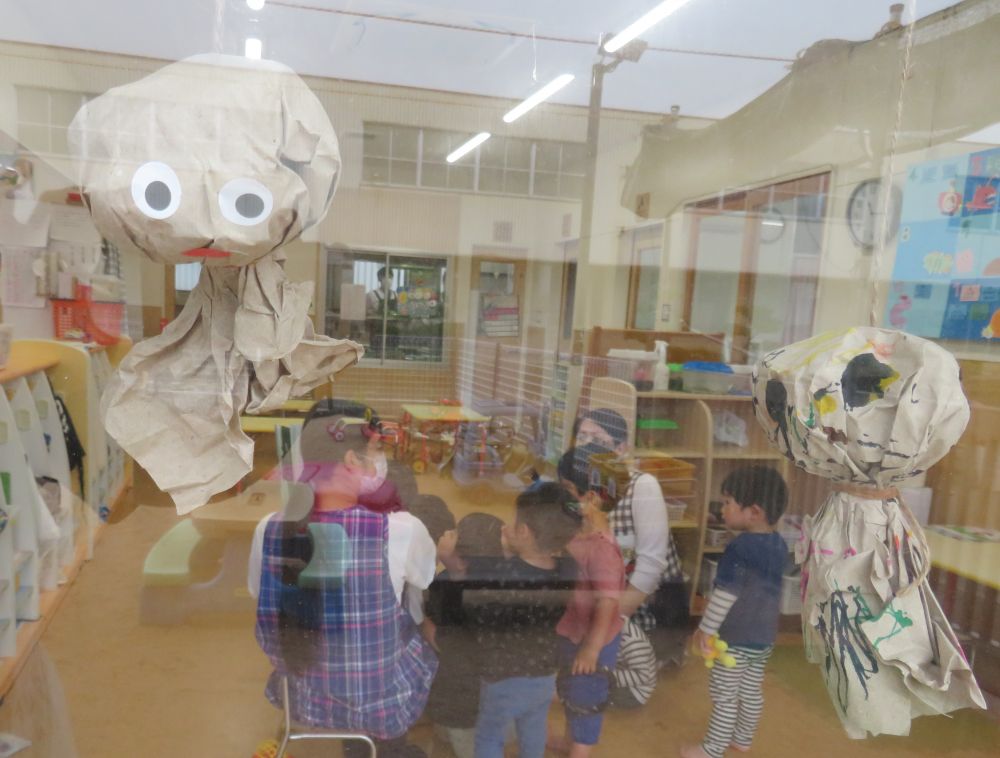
(372, 671)
(622, 524)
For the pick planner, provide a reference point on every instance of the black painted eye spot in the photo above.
(158, 195)
(249, 205)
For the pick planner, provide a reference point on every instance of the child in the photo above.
(635, 670)
(743, 608)
(440, 522)
(516, 631)
(590, 630)
(468, 552)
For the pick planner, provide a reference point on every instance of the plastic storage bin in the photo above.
(715, 537)
(791, 594)
(708, 378)
(634, 366)
(742, 380)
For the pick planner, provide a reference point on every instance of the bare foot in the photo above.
(557, 744)
(740, 748)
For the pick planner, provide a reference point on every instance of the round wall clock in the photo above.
(864, 212)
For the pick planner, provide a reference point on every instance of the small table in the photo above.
(169, 595)
(976, 561)
(966, 583)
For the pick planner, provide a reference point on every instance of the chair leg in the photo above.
(286, 733)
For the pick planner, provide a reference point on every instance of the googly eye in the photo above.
(245, 202)
(156, 190)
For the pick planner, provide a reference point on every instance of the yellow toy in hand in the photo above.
(718, 653)
(267, 749)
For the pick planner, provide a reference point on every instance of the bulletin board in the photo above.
(946, 278)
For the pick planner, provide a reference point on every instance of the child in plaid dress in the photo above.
(330, 611)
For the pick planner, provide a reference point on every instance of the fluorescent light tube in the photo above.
(542, 95)
(252, 48)
(468, 147)
(637, 27)
(256, 5)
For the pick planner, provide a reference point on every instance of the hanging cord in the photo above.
(874, 314)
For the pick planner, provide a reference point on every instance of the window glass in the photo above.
(304, 297)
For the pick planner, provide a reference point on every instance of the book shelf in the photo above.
(45, 541)
(694, 441)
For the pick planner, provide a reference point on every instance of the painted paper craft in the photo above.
(870, 409)
(220, 160)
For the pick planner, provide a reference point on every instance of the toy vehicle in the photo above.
(338, 429)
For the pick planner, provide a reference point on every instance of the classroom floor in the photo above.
(112, 687)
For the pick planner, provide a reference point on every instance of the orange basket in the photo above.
(676, 478)
(88, 320)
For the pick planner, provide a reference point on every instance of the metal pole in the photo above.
(589, 181)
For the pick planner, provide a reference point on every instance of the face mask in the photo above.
(371, 482)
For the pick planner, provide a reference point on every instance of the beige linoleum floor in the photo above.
(116, 688)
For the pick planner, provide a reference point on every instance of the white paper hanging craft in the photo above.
(869, 409)
(220, 160)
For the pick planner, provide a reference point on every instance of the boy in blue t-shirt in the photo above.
(744, 606)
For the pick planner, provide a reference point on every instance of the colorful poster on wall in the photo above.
(946, 279)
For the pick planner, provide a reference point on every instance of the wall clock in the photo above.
(864, 212)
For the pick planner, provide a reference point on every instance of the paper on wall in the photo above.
(352, 302)
(72, 223)
(19, 276)
(28, 232)
(870, 408)
(240, 159)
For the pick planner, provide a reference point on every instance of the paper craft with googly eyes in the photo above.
(870, 409)
(219, 160)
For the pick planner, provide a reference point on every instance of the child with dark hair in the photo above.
(434, 514)
(744, 607)
(469, 552)
(590, 630)
(516, 624)
(329, 583)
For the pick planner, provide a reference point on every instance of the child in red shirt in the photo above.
(590, 630)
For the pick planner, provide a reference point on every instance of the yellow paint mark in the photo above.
(826, 404)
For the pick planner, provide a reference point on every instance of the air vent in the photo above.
(503, 231)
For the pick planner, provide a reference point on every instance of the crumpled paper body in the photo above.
(870, 407)
(175, 403)
(225, 160)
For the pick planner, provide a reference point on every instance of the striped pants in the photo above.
(737, 700)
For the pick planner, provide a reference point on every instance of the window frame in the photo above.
(474, 160)
(388, 258)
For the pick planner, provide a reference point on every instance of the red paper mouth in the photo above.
(206, 252)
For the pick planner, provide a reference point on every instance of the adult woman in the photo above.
(638, 522)
(330, 613)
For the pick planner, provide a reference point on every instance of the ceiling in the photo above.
(711, 57)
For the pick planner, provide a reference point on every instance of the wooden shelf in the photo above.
(673, 452)
(24, 362)
(711, 549)
(685, 524)
(747, 455)
(30, 632)
(675, 395)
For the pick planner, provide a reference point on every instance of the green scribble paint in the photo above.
(863, 613)
(900, 621)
